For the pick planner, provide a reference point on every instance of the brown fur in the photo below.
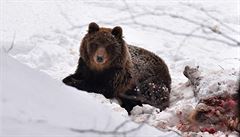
(127, 70)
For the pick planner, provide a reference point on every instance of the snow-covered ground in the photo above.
(34, 104)
(45, 35)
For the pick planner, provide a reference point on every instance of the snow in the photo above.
(46, 37)
(35, 104)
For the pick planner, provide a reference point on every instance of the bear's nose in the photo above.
(99, 59)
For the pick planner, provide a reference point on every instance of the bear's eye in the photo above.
(93, 45)
(110, 48)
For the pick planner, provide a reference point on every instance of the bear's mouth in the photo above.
(99, 64)
(100, 60)
(100, 57)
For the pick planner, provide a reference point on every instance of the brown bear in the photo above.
(109, 66)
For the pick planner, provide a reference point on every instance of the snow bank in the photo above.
(33, 104)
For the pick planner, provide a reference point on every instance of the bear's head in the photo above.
(104, 48)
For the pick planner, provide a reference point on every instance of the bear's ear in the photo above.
(93, 27)
(117, 32)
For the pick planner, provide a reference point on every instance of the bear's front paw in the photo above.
(70, 81)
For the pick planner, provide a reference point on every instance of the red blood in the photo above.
(204, 129)
(212, 130)
(231, 103)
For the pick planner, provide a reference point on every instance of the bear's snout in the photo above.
(100, 59)
(100, 56)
